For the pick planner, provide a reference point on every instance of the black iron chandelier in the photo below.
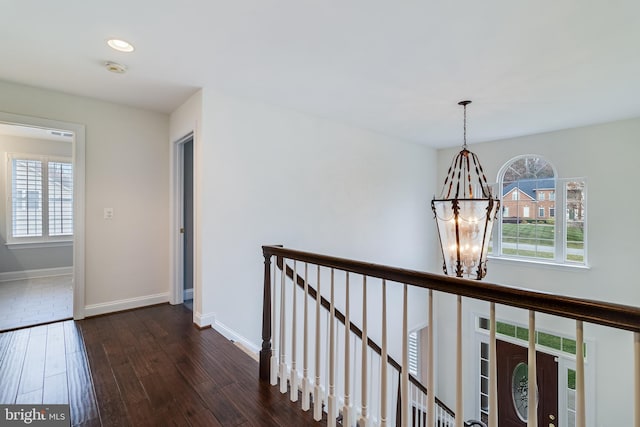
(465, 213)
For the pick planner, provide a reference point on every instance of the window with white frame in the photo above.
(40, 207)
(558, 238)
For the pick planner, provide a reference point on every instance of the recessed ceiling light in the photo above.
(120, 45)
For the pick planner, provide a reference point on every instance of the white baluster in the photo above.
(274, 353)
(423, 405)
(431, 399)
(305, 351)
(493, 369)
(283, 362)
(404, 394)
(293, 379)
(580, 402)
(459, 403)
(347, 409)
(317, 391)
(383, 359)
(533, 383)
(636, 373)
(363, 421)
(332, 410)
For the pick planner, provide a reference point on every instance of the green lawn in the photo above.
(540, 234)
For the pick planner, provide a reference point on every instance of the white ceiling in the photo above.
(396, 67)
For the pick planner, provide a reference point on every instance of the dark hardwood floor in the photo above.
(146, 367)
(48, 365)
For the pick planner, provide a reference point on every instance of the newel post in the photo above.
(265, 352)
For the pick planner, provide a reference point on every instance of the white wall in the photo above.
(14, 259)
(126, 169)
(607, 155)
(274, 176)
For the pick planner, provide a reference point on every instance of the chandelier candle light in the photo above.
(465, 214)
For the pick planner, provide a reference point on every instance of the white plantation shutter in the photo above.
(60, 199)
(26, 198)
(41, 199)
(413, 353)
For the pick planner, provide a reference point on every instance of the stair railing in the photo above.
(366, 398)
(417, 390)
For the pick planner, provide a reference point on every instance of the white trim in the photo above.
(203, 320)
(538, 263)
(34, 274)
(175, 221)
(176, 241)
(188, 294)
(232, 335)
(125, 304)
(38, 245)
(78, 131)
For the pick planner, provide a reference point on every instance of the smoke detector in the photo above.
(114, 67)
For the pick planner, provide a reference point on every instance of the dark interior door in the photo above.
(513, 386)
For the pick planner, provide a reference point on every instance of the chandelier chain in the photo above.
(465, 127)
(464, 105)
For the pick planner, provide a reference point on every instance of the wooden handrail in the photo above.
(597, 312)
(358, 332)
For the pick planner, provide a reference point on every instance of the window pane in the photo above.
(569, 345)
(483, 323)
(526, 228)
(60, 199)
(26, 198)
(484, 350)
(549, 340)
(574, 243)
(505, 329)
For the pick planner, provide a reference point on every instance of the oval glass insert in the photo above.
(520, 390)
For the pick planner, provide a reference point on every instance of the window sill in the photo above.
(538, 263)
(37, 245)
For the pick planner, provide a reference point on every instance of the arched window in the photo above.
(530, 225)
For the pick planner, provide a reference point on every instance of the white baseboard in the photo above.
(232, 335)
(188, 294)
(125, 304)
(34, 274)
(204, 320)
(210, 320)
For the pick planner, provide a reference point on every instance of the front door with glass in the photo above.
(513, 386)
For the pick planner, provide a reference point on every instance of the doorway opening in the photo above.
(183, 235)
(41, 221)
(187, 222)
